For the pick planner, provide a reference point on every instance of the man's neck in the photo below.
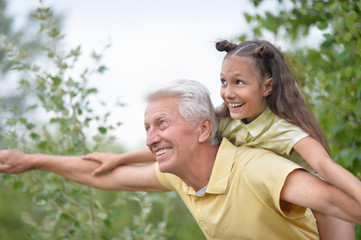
(198, 174)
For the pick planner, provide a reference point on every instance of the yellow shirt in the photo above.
(241, 200)
(267, 131)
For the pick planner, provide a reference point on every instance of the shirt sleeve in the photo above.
(266, 175)
(282, 137)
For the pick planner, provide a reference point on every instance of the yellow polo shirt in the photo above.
(241, 200)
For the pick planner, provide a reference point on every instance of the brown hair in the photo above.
(285, 100)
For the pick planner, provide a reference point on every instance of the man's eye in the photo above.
(163, 124)
(223, 82)
(239, 82)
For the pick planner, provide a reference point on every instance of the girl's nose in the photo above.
(228, 92)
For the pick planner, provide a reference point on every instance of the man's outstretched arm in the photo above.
(126, 178)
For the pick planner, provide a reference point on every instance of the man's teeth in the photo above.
(235, 104)
(160, 152)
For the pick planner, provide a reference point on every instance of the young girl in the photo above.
(263, 108)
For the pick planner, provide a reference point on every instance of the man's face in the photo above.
(169, 136)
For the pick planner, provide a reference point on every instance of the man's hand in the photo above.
(15, 162)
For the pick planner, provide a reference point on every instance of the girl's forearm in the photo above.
(344, 180)
(140, 156)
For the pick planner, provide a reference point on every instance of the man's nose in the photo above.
(152, 137)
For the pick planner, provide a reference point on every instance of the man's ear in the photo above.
(204, 129)
(267, 87)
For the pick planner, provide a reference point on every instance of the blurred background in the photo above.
(151, 42)
(73, 75)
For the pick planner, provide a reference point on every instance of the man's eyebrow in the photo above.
(157, 118)
(161, 116)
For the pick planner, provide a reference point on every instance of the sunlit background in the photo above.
(151, 42)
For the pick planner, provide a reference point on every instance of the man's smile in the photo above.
(162, 151)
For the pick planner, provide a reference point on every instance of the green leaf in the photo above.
(11, 121)
(322, 25)
(102, 69)
(347, 37)
(248, 17)
(91, 91)
(31, 107)
(107, 223)
(95, 55)
(347, 156)
(66, 217)
(30, 126)
(75, 52)
(18, 184)
(24, 83)
(351, 17)
(102, 130)
(56, 81)
(54, 32)
(34, 136)
(43, 145)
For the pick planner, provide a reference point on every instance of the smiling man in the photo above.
(233, 193)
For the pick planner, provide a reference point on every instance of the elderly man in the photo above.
(233, 193)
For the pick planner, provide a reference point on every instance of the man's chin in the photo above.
(163, 167)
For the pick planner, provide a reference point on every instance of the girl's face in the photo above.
(241, 89)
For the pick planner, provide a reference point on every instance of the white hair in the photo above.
(194, 102)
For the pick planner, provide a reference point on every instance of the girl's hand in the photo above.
(108, 161)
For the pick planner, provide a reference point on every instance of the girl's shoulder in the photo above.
(282, 125)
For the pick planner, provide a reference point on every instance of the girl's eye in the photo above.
(223, 82)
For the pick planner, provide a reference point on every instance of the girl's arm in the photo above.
(319, 160)
(109, 161)
(304, 189)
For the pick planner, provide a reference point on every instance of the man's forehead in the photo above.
(161, 107)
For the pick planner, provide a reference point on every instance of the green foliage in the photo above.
(330, 71)
(59, 117)
(28, 45)
(65, 210)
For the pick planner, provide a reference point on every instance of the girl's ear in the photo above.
(267, 87)
(204, 130)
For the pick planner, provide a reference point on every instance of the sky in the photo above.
(151, 42)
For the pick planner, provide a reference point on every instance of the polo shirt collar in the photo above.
(222, 167)
(260, 123)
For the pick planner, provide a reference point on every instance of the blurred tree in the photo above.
(56, 208)
(24, 37)
(14, 101)
(329, 66)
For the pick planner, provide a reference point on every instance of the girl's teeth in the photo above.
(235, 105)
